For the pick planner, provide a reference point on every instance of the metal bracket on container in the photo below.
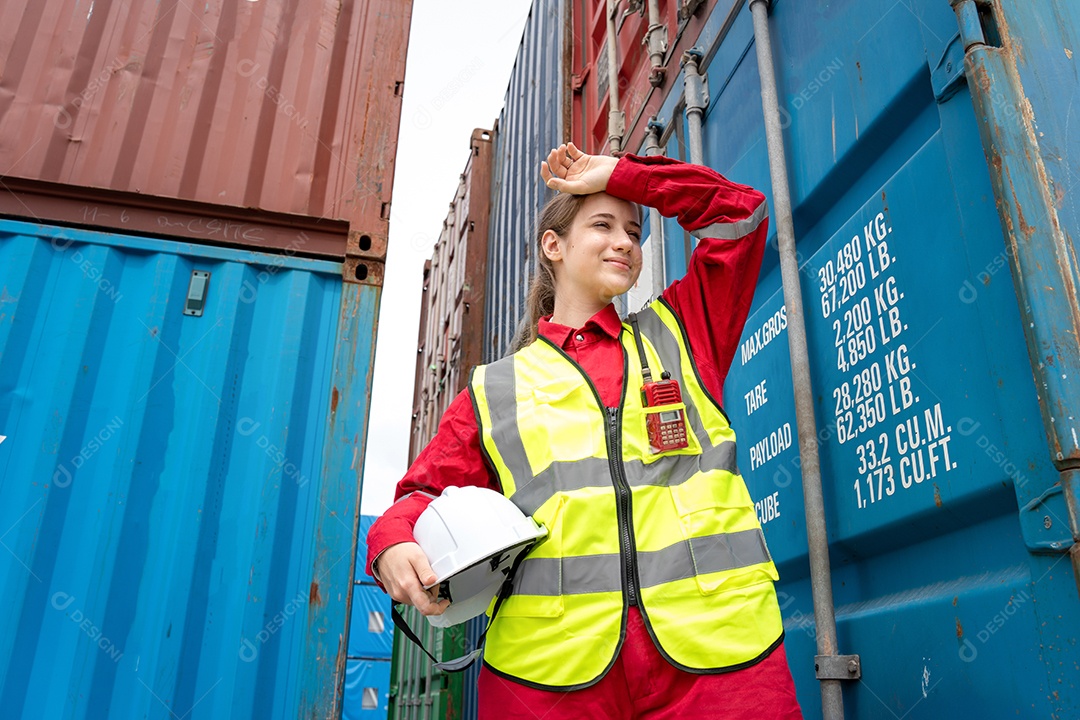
(948, 76)
(365, 258)
(196, 294)
(659, 127)
(1044, 522)
(837, 667)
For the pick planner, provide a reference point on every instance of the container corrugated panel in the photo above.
(452, 320)
(367, 690)
(529, 125)
(179, 492)
(948, 529)
(281, 107)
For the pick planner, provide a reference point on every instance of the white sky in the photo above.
(459, 62)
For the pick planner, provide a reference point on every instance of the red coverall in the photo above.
(713, 301)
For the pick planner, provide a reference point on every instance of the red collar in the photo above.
(607, 320)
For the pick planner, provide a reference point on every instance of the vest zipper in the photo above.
(623, 505)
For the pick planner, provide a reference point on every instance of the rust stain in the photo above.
(333, 400)
(955, 599)
(1025, 227)
(959, 629)
(313, 594)
(937, 495)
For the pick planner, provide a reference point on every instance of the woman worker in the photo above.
(652, 595)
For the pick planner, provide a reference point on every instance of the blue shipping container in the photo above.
(367, 690)
(945, 477)
(178, 490)
(371, 632)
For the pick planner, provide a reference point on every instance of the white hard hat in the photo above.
(471, 536)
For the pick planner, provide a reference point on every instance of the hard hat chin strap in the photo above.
(462, 663)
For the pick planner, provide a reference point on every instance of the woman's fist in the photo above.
(404, 570)
(569, 170)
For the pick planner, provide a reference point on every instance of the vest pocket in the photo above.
(721, 494)
(709, 508)
(536, 606)
(733, 580)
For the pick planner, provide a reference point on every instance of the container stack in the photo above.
(453, 296)
(449, 346)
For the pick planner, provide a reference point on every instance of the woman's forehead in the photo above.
(602, 203)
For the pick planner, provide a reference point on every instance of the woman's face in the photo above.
(600, 256)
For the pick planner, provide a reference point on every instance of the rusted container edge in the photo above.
(204, 223)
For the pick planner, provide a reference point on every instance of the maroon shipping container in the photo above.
(222, 108)
(452, 308)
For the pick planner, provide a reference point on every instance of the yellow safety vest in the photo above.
(675, 533)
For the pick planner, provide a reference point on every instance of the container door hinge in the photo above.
(978, 23)
(978, 26)
(837, 667)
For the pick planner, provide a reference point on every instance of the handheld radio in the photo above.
(666, 429)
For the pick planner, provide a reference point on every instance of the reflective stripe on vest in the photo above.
(704, 574)
(600, 573)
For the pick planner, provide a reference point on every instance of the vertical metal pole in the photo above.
(832, 702)
(656, 38)
(616, 120)
(694, 94)
(656, 224)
